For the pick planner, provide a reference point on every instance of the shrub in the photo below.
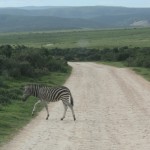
(26, 69)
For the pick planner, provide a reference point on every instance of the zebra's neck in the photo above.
(35, 90)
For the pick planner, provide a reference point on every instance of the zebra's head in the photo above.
(27, 92)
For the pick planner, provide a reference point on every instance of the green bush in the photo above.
(138, 57)
(26, 69)
(22, 61)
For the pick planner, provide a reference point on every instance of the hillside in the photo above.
(48, 18)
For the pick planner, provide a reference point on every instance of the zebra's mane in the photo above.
(34, 85)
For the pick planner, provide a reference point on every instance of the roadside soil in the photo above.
(112, 107)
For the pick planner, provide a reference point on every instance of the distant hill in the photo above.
(48, 18)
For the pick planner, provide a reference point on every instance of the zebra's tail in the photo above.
(71, 100)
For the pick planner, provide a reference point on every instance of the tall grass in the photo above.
(144, 72)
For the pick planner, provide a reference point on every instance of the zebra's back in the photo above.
(53, 94)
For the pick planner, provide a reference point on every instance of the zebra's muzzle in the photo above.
(24, 97)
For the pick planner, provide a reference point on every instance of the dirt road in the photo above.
(112, 107)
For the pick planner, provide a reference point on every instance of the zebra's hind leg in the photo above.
(65, 110)
(71, 107)
(39, 101)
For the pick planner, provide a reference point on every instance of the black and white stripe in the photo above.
(47, 94)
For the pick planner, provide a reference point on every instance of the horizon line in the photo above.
(72, 6)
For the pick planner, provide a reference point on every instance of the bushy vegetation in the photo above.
(132, 57)
(23, 61)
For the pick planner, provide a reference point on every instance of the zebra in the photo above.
(47, 94)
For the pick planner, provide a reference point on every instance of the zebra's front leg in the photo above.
(65, 110)
(46, 107)
(39, 101)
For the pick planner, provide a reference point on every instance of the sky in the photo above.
(125, 3)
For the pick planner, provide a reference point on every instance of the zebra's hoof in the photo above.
(47, 117)
(61, 118)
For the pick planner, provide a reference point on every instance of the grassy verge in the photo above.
(144, 72)
(15, 115)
